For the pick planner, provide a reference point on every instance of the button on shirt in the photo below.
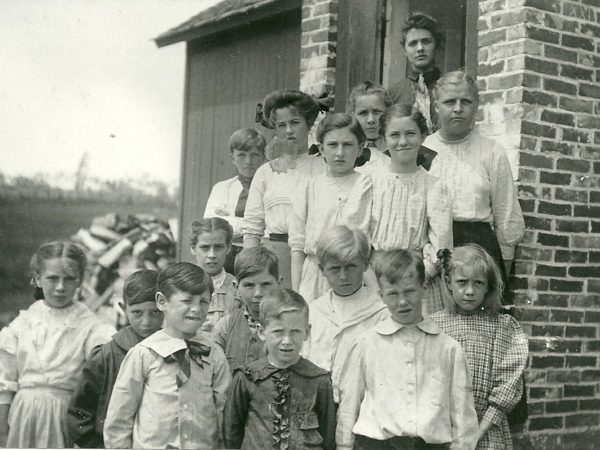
(148, 410)
(407, 381)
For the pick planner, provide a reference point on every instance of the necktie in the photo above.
(195, 351)
(240, 207)
(422, 101)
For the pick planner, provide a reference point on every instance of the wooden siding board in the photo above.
(227, 77)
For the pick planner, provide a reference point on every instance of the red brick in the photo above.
(538, 161)
(537, 223)
(542, 34)
(560, 147)
(566, 286)
(589, 405)
(592, 346)
(577, 42)
(570, 256)
(590, 375)
(560, 53)
(527, 205)
(544, 392)
(311, 25)
(545, 423)
(533, 253)
(542, 285)
(573, 165)
(484, 70)
(579, 390)
(550, 271)
(573, 331)
(558, 117)
(560, 301)
(492, 37)
(581, 361)
(541, 66)
(576, 105)
(571, 195)
(572, 135)
(577, 73)
(562, 315)
(589, 90)
(587, 211)
(585, 301)
(588, 28)
(593, 286)
(555, 209)
(595, 227)
(538, 130)
(588, 122)
(528, 191)
(539, 98)
(573, 226)
(592, 316)
(561, 406)
(535, 314)
(582, 420)
(553, 240)
(543, 362)
(555, 178)
(564, 376)
(584, 272)
(546, 5)
(505, 82)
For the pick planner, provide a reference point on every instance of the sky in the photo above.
(84, 77)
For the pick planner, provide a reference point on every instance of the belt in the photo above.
(278, 237)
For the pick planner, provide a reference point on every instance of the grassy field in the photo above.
(25, 224)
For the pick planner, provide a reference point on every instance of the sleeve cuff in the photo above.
(430, 269)
(6, 398)
(493, 415)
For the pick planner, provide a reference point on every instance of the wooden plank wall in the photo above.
(226, 76)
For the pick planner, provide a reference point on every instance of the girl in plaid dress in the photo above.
(495, 345)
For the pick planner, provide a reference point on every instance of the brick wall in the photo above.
(540, 72)
(319, 38)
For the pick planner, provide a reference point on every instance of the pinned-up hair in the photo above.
(393, 265)
(184, 277)
(304, 104)
(342, 244)
(210, 225)
(280, 301)
(424, 22)
(456, 78)
(140, 287)
(399, 111)
(73, 256)
(474, 256)
(246, 139)
(336, 121)
(367, 88)
(251, 261)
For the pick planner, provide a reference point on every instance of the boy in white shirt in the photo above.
(348, 308)
(407, 384)
(227, 198)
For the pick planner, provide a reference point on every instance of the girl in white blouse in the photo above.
(341, 196)
(485, 206)
(42, 352)
(411, 208)
(268, 209)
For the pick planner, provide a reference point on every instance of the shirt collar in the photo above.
(165, 345)
(389, 326)
(430, 77)
(262, 369)
(218, 280)
(126, 338)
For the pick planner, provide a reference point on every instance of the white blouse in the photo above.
(411, 211)
(324, 201)
(47, 347)
(480, 181)
(225, 195)
(269, 207)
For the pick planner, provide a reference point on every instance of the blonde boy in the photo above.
(408, 384)
(348, 308)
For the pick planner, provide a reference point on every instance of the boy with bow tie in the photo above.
(170, 391)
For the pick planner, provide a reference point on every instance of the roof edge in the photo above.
(229, 20)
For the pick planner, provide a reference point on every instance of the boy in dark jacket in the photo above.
(87, 410)
(257, 274)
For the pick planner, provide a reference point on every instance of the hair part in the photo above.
(337, 121)
(303, 103)
(453, 79)
(183, 277)
(399, 111)
(72, 255)
(343, 244)
(252, 261)
(424, 22)
(476, 257)
(140, 287)
(367, 88)
(246, 139)
(393, 265)
(280, 301)
(210, 225)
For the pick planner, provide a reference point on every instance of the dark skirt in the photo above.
(396, 443)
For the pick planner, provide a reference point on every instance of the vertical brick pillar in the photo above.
(539, 73)
(319, 39)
